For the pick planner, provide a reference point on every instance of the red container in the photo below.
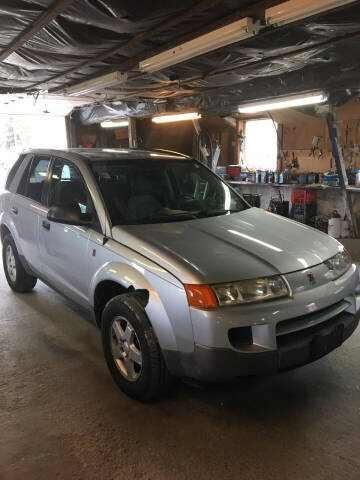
(234, 171)
(303, 196)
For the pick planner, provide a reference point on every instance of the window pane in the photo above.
(68, 189)
(261, 145)
(37, 177)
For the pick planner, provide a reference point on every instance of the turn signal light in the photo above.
(349, 254)
(200, 296)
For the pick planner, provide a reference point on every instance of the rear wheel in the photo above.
(16, 276)
(131, 349)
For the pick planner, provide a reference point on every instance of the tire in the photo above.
(143, 381)
(16, 276)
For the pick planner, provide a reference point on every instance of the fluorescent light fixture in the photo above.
(97, 83)
(177, 117)
(111, 124)
(236, 31)
(284, 102)
(294, 10)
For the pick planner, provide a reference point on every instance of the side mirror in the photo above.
(69, 215)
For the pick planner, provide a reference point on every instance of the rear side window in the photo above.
(33, 181)
(12, 172)
(68, 188)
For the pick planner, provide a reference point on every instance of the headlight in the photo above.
(337, 265)
(248, 291)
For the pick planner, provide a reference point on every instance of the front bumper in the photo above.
(293, 349)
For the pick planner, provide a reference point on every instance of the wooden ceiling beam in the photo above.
(44, 19)
(171, 22)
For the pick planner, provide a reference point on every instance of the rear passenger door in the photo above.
(66, 250)
(27, 205)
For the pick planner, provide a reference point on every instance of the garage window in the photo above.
(21, 132)
(261, 145)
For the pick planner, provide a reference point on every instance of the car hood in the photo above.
(248, 244)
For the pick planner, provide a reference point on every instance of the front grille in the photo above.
(305, 322)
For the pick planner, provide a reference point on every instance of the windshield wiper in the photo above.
(214, 213)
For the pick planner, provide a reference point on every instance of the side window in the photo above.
(12, 172)
(32, 183)
(67, 188)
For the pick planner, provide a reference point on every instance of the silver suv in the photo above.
(183, 277)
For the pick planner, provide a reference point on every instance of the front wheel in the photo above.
(18, 279)
(131, 349)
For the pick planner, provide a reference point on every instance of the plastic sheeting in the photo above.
(86, 29)
(213, 83)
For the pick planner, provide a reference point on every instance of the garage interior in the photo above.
(98, 74)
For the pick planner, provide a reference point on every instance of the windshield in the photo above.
(158, 191)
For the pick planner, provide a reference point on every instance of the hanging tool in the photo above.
(315, 147)
(215, 157)
(346, 134)
(294, 163)
(241, 138)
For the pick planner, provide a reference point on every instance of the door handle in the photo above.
(14, 210)
(46, 225)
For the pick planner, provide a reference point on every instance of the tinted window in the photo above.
(33, 181)
(67, 188)
(156, 191)
(13, 171)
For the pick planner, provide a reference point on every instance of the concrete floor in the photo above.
(61, 415)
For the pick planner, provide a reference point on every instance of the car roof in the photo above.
(92, 154)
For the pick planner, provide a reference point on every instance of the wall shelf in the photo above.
(350, 188)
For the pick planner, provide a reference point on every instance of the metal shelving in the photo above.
(350, 188)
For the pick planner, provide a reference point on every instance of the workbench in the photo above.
(329, 198)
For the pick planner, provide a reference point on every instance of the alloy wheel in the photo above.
(11, 263)
(125, 348)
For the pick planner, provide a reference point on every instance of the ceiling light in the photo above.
(178, 117)
(236, 31)
(293, 10)
(97, 83)
(284, 102)
(111, 124)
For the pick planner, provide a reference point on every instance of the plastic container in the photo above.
(303, 196)
(260, 176)
(234, 171)
(304, 213)
(332, 179)
(334, 225)
(357, 178)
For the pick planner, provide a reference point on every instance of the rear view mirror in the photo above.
(69, 215)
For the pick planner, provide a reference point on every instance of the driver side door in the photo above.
(67, 249)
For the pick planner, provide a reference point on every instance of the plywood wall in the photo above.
(181, 136)
(298, 131)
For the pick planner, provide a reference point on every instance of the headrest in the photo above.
(69, 192)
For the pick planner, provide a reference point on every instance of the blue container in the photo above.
(332, 179)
